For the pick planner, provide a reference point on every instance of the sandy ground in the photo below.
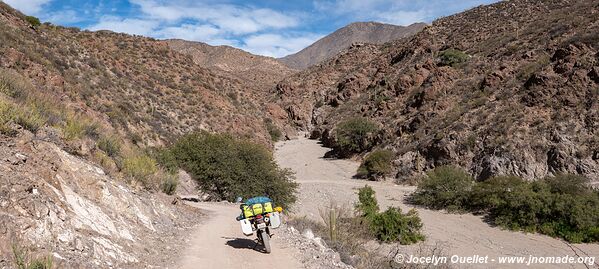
(219, 243)
(325, 180)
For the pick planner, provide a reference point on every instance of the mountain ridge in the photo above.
(262, 71)
(356, 32)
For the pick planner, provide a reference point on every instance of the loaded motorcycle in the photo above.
(260, 218)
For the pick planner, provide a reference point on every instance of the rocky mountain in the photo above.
(358, 32)
(261, 71)
(508, 88)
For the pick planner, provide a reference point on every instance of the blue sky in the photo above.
(266, 27)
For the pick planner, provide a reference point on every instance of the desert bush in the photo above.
(452, 57)
(391, 225)
(367, 204)
(488, 194)
(348, 233)
(34, 21)
(140, 167)
(445, 187)
(229, 168)
(273, 130)
(110, 145)
(169, 184)
(568, 184)
(30, 118)
(6, 116)
(23, 260)
(105, 162)
(560, 206)
(376, 165)
(13, 84)
(355, 135)
(527, 70)
(77, 126)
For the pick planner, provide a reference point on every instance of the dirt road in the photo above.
(219, 243)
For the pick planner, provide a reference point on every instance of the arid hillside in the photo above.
(358, 32)
(146, 89)
(509, 88)
(259, 71)
(80, 115)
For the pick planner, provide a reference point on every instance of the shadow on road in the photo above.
(244, 243)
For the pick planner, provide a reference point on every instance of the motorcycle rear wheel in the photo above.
(266, 241)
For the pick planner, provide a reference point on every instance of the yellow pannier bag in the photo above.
(268, 207)
(247, 211)
(258, 209)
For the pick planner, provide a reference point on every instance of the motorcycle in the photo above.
(262, 224)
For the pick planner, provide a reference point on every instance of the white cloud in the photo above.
(129, 26)
(400, 12)
(276, 45)
(63, 17)
(253, 29)
(400, 17)
(204, 33)
(30, 7)
(230, 18)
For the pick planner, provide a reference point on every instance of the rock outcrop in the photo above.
(61, 205)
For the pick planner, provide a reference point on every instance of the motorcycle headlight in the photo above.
(266, 219)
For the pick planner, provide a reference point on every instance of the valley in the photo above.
(478, 133)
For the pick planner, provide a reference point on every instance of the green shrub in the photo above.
(568, 184)
(140, 167)
(355, 135)
(273, 130)
(452, 57)
(34, 21)
(445, 187)
(367, 205)
(391, 225)
(110, 145)
(491, 193)
(169, 184)
(229, 168)
(556, 206)
(561, 206)
(376, 165)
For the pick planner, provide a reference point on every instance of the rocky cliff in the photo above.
(60, 205)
